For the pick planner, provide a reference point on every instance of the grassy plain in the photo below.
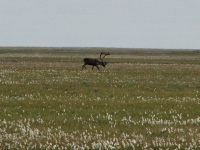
(143, 99)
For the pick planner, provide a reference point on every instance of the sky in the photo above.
(167, 24)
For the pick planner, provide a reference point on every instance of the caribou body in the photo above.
(95, 62)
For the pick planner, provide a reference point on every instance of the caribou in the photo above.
(95, 62)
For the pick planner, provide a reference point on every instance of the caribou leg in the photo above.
(97, 67)
(84, 66)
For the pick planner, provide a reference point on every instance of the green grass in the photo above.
(143, 99)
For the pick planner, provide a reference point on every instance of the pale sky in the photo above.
(168, 24)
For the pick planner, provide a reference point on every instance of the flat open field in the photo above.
(142, 99)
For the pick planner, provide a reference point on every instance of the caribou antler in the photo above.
(104, 53)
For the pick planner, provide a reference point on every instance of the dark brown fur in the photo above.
(93, 62)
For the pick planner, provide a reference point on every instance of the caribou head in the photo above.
(95, 62)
